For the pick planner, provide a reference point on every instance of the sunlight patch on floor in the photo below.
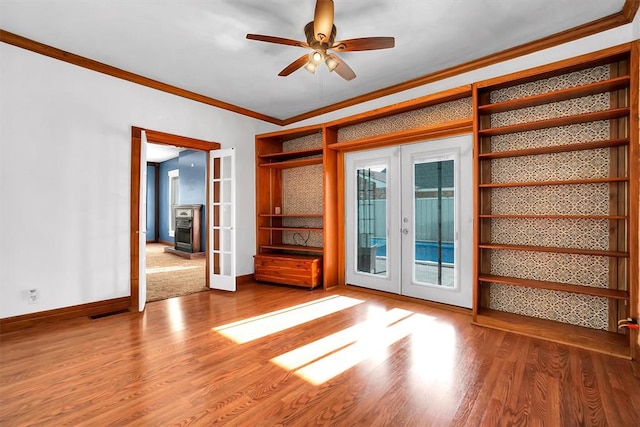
(175, 314)
(306, 354)
(433, 351)
(247, 330)
(328, 357)
(169, 269)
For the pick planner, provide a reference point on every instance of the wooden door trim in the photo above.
(163, 138)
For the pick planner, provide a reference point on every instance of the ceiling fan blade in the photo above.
(276, 40)
(342, 68)
(323, 20)
(298, 63)
(365, 43)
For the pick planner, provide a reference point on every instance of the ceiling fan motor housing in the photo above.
(323, 21)
(315, 44)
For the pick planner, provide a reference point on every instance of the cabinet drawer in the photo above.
(288, 269)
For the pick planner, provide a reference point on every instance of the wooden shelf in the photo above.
(289, 134)
(290, 155)
(616, 178)
(577, 336)
(293, 248)
(557, 182)
(615, 113)
(292, 228)
(555, 149)
(556, 286)
(292, 264)
(577, 251)
(611, 217)
(292, 163)
(556, 96)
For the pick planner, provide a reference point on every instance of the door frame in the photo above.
(390, 156)
(426, 134)
(460, 150)
(156, 137)
(399, 278)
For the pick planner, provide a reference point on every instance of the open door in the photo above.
(142, 225)
(221, 210)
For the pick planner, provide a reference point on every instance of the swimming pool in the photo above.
(425, 250)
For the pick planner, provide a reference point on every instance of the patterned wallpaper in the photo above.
(552, 167)
(440, 113)
(582, 310)
(562, 135)
(573, 269)
(302, 143)
(565, 81)
(302, 193)
(553, 110)
(557, 233)
(581, 199)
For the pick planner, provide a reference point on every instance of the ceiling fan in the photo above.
(321, 34)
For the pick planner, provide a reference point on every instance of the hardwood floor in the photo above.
(270, 355)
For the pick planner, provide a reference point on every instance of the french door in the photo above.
(409, 220)
(222, 233)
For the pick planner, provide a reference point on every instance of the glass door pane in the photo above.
(433, 200)
(371, 185)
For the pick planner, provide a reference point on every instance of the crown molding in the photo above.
(71, 58)
(625, 16)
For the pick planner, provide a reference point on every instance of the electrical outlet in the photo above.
(33, 296)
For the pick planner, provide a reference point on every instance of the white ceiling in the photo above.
(200, 45)
(160, 153)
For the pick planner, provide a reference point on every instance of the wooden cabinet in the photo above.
(554, 174)
(305, 271)
(290, 206)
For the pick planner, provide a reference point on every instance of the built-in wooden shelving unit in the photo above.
(280, 256)
(571, 121)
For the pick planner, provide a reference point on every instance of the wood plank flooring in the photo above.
(271, 355)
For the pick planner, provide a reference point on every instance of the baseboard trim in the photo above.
(453, 308)
(14, 323)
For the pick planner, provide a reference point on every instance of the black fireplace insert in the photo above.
(187, 228)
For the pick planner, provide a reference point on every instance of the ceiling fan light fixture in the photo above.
(316, 57)
(310, 67)
(331, 63)
(320, 35)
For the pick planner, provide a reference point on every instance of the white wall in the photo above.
(65, 144)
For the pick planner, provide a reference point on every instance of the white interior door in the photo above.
(437, 220)
(409, 220)
(222, 232)
(372, 216)
(142, 225)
